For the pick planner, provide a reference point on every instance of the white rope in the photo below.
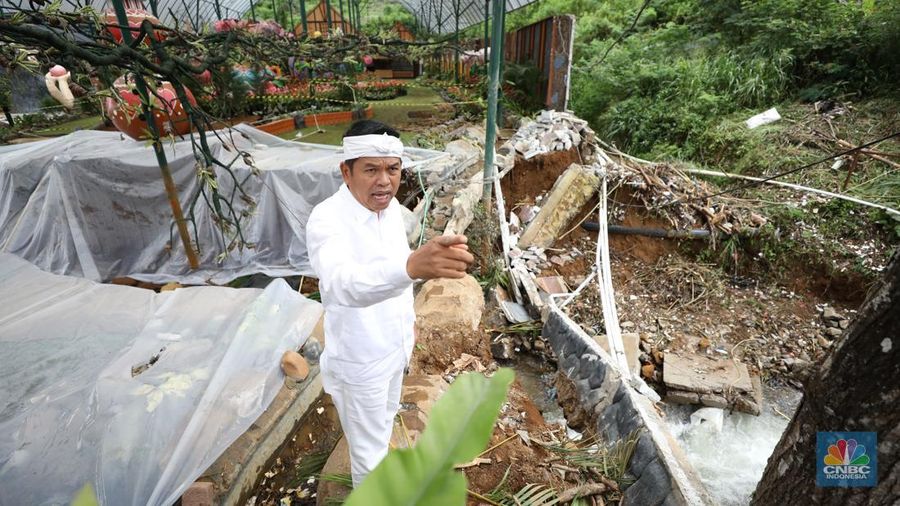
(607, 294)
(766, 181)
(795, 187)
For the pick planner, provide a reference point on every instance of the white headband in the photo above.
(371, 145)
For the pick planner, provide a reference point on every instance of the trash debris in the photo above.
(763, 118)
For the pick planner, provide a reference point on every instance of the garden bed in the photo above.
(300, 120)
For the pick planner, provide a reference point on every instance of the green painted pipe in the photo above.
(490, 128)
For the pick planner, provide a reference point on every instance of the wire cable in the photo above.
(781, 174)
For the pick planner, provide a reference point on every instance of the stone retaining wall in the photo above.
(660, 468)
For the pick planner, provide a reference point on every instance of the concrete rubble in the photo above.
(570, 192)
(553, 131)
(696, 379)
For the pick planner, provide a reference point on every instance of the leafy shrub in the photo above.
(657, 88)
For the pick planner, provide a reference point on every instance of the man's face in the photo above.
(373, 180)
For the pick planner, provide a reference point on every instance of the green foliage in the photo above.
(459, 428)
(532, 494)
(521, 85)
(384, 21)
(689, 63)
(611, 461)
(5, 91)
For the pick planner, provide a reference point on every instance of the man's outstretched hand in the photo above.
(445, 256)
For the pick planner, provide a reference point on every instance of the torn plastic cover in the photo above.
(71, 411)
(92, 204)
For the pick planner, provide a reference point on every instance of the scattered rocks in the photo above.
(833, 332)
(503, 348)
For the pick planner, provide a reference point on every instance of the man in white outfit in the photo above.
(357, 247)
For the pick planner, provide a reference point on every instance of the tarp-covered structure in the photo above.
(134, 392)
(92, 204)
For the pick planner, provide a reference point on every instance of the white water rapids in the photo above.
(731, 462)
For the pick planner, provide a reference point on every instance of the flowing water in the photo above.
(536, 378)
(730, 462)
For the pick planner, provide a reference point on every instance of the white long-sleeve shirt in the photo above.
(360, 258)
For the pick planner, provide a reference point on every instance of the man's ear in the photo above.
(345, 172)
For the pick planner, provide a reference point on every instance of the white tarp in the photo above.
(72, 413)
(92, 204)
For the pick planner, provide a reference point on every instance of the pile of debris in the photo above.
(684, 202)
(553, 131)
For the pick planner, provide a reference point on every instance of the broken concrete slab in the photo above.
(632, 342)
(449, 303)
(569, 194)
(463, 148)
(464, 206)
(552, 284)
(715, 383)
(662, 472)
(694, 373)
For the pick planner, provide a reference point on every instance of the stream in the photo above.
(731, 462)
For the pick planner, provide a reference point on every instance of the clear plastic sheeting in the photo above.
(134, 392)
(92, 204)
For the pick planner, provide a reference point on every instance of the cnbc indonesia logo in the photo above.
(846, 462)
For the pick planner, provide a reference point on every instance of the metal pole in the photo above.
(493, 85)
(328, 15)
(168, 182)
(501, 48)
(341, 6)
(274, 12)
(487, 15)
(456, 42)
(291, 11)
(252, 12)
(218, 11)
(303, 16)
(153, 7)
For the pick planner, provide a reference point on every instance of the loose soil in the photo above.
(531, 178)
(314, 439)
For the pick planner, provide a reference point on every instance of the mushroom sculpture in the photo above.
(136, 14)
(57, 81)
(168, 113)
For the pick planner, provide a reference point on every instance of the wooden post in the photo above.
(168, 182)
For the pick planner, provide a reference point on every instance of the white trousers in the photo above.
(366, 408)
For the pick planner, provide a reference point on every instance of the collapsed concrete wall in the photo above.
(661, 470)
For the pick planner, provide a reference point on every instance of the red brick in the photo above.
(200, 493)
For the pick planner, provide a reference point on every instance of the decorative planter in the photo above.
(168, 113)
(334, 118)
(279, 126)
